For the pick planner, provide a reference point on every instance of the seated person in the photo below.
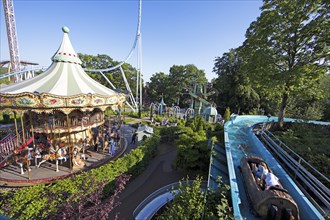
(261, 170)
(271, 180)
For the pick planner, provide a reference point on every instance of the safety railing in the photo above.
(305, 175)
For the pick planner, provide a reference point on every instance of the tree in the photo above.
(188, 203)
(234, 86)
(325, 102)
(162, 84)
(102, 61)
(287, 48)
(193, 153)
(227, 114)
(183, 76)
(158, 86)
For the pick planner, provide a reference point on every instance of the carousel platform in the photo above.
(11, 177)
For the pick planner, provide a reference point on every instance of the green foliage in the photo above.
(325, 101)
(193, 153)
(302, 108)
(193, 203)
(217, 134)
(188, 203)
(235, 88)
(161, 84)
(227, 114)
(218, 202)
(169, 134)
(310, 141)
(102, 61)
(285, 49)
(40, 201)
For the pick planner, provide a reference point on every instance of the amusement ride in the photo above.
(68, 114)
(18, 70)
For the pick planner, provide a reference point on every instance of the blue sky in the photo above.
(173, 32)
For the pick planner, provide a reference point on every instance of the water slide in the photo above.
(240, 141)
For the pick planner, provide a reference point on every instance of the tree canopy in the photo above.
(287, 48)
(170, 86)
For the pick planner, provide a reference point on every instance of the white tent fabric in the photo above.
(64, 79)
(65, 76)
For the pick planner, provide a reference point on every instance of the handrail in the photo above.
(297, 155)
(297, 168)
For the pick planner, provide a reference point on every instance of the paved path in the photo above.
(158, 174)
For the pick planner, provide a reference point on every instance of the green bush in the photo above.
(40, 201)
(310, 141)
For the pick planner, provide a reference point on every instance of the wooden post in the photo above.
(69, 139)
(24, 145)
(32, 129)
(53, 126)
(23, 132)
(16, 129)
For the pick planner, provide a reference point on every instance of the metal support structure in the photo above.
(139, 57)
(139, 75)
(11, 34)
(128, 87)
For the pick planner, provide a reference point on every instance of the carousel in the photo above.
(58, 109)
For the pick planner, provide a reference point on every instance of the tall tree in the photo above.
(287, 47)
(183, 76)
(158, 86)
(325, 82)
(234, 86)
(170, 85)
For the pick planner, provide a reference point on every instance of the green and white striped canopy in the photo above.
(63, 85)
(65, 76)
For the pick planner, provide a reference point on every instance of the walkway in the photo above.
(158, 174)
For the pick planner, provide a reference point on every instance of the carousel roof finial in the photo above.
(66, 53)
(65, 29)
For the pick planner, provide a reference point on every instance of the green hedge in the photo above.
(40, 201)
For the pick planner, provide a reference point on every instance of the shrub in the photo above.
(41, 201)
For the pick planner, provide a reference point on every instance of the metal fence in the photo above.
(312, 182)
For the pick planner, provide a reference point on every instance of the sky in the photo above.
(173, 32)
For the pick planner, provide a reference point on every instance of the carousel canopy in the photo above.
(65, 76)
(63, 84)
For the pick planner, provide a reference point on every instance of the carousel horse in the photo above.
(47, 157)
(78, 162)
(86, 144)
(76, 151)
(37, 155)
(60, 155)
(21, 161)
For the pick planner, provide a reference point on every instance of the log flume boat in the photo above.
(271, 202)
